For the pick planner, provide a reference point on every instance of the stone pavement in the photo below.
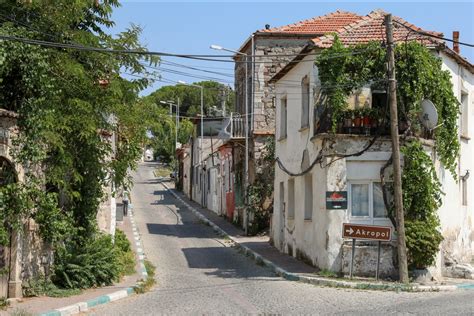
(289, 268)
(38, 305)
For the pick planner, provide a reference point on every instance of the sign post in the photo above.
(366, 232)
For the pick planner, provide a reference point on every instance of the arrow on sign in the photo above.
(350, 230)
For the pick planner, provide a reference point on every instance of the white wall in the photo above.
(457, 220)
(319, 239)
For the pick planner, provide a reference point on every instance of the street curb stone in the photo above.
(320, 281)
(104, 299)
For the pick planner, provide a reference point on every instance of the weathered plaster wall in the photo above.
(319, 240)
(457, 220)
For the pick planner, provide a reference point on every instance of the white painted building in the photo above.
(301, 224)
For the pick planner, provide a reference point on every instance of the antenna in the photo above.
(429, 115)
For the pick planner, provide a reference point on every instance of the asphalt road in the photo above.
(197, 273)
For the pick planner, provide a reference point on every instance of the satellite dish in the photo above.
(428, 115)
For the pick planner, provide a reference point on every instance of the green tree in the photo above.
(67, 100)
(190, 97)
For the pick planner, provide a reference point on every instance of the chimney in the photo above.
(456, 41)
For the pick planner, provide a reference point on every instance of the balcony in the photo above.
(233, 127)
(366, 122)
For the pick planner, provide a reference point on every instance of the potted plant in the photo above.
(366, 119)
(356, 118)
(348, 118)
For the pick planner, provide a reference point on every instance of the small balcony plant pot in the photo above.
(357, 121)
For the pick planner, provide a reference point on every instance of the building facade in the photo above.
(311, 162)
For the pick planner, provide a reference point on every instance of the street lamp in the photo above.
(171, 104)
(217, 47)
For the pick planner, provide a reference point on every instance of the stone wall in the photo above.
(265, 68)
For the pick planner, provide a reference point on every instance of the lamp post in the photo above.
(171, 104)
(217, 47)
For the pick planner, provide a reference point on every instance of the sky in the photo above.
(191, 27)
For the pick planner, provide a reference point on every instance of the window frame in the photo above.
(464, 117)
(305, 102)
(283, 120)
(369, 219)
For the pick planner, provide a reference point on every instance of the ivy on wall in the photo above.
(343, 70)
(260, 192)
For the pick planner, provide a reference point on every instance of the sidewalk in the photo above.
(38, 305)
(289, 268)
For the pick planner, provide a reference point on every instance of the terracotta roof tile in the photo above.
(371, 28)
(318, 25)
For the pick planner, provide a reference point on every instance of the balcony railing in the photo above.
(365, 124)
(234, 127)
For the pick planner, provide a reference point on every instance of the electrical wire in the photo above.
(432, 35)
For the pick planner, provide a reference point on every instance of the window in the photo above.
(283, 118)
(305, 102)
(308, 196)
(464, 115)
(282, 199)
(464, 190)
(366, 202)
(291, 198)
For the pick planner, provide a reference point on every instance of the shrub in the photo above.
(92, 264)
(43, 286)
(124, 253)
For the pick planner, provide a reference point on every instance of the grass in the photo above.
(145, 285)
(327, 273)
(4, 303)
(163, 171)
(44, 287)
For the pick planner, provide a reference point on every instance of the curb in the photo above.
(317, 280)
(104, 299)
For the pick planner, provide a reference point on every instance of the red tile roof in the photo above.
(318, 25)
(371, 28)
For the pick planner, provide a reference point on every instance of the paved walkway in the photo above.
(262, 246)
(259, 244)
(37, 305)
(199, 272)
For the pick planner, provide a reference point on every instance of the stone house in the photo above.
(302, 225)
(269, 50)
(26, 256)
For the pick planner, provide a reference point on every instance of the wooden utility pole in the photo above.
(397, 174)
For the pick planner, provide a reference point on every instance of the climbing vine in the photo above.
(344, 70)
(260, 192)
(421, 199)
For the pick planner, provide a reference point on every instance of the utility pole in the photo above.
(397, 175)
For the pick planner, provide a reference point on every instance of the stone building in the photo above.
(269, 50)
(315, 162)
(26, 256)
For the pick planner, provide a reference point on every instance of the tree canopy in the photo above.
(190, 97)
(69, 101)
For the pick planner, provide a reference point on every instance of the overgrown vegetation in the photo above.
(260, 192)
(69, 102)
(421, 199)
(145, 285)
(419, 76)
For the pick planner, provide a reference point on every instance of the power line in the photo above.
(433, 36)
(156, 53)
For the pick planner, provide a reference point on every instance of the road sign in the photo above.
(336, 200)
(368, 232)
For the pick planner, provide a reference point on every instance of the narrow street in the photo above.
(197, 273)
